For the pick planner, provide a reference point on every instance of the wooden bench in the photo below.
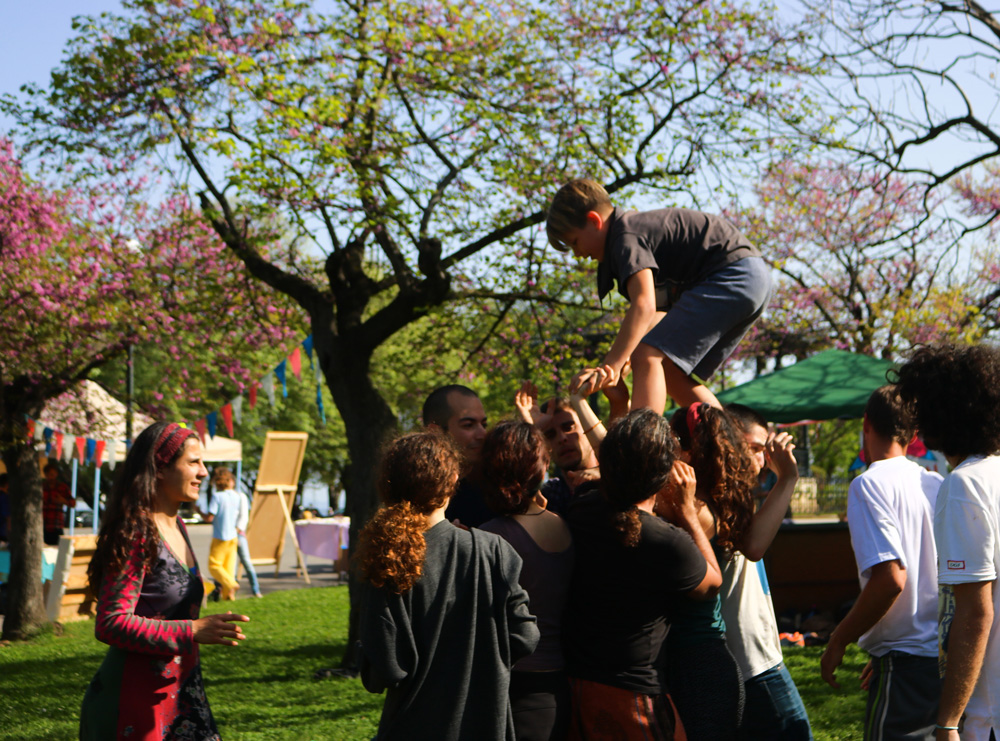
(67, 597)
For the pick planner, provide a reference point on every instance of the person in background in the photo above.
(443, 617)
(223, 513)
(515, 458)
(55, 498)
(242, 547)
(149, 592)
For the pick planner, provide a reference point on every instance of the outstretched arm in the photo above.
(885, 585)
(593, 428)
(765, 523)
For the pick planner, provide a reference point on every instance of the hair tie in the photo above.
(694, 413)
(171, 440)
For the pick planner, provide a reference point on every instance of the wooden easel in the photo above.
(273, 496)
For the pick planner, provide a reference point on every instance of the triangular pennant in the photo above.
(37, 431)
(253, 394)
(280, 373)
(69, 445)
(200, 427)
(81, 447)
(295, 363)
(30, 424)
(112, 454)
(238, 409)
(57, 445)
(99, 452)
(268, 385)
(227, 418)
(47, 434)
(307, 346)
(91, 450)
(319, 403)
(317, 371)
(213, 423)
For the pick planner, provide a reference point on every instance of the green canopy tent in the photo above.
(832, 384)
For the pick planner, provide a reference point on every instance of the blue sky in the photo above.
(32, 37)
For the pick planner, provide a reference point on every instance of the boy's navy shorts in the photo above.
(708, 321)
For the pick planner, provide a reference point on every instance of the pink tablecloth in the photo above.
(323, 537)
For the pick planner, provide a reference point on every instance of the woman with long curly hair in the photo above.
(443, 617)
(703, 675)
(632, 568)
(149, 593)
(515, 457)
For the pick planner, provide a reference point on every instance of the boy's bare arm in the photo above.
(641, 310)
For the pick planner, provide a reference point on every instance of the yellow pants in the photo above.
(222, 566)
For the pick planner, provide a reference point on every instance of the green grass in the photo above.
(264, 688)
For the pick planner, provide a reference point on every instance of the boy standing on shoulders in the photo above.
(695, 285)
(957, 395)
(890, 512)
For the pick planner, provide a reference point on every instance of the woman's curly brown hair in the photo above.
(129, 514)
(515, 459)
(417, 476)
(956, 392)
(636, 457)
(724, 469)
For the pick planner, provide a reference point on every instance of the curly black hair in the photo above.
(956, 392)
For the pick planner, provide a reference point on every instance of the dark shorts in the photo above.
(903, 697)
(709, 319)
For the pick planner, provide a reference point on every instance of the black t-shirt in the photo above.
(468, 505)
(621, 598)
(682, 247)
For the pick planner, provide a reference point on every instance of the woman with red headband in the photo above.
(702, 674)
(149, 592)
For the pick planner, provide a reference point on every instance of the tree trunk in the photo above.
(369, 423)
(25, 614)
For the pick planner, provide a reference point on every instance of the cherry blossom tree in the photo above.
(84, 273)
(413, 144)
(860, 267)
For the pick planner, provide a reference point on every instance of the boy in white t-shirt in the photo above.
(890, 510)
(957, 395)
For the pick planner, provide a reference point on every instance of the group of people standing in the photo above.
(598, 612)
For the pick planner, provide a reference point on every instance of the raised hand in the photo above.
(779, 455)
(220, 629)
(526, 401)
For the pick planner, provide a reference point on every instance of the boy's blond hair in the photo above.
(570, 207)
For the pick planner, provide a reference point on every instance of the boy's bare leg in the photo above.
(655, 376)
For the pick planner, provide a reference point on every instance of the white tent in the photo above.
(90, 411)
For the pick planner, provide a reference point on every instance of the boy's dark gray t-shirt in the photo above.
(681, 246)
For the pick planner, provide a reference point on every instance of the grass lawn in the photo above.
(264, 688)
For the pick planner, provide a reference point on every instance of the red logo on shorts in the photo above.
(956, 565)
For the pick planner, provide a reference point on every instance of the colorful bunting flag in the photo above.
(268, 385)
(31, 429)
(47, 434)
(279, 371)
(227, 418)
(69, 445)
(200, 427)
(253, 394)
(91, 451)
(295, 363)
(238, 409)
(81, 447)
(319, 403)
(99, 452)
(112, 454)
(213, 423)
(307, 345)
(57, 445)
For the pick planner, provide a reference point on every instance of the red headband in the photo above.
(694, 416)
(171, 440)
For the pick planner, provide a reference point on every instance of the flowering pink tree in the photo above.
(860, 266)
(410, 144)
(83, 274)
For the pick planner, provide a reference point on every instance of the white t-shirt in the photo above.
(890, 512)
(751, 630)
(967, 530)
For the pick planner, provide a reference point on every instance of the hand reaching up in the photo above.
(526, 401)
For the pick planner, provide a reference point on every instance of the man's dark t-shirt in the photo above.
(682, 247)
(468, 505)
(621, 597)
